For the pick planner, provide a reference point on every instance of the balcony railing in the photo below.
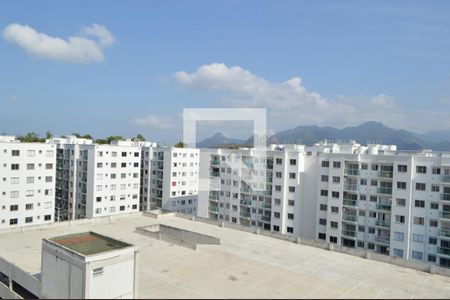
(349, 217)
(383, 223)
(214, 208)
(444, 214)
(350, 202)
(266, 205)
(444, 250)
(215, 174)
(244, 215)
(351, 172)
(265, 218)
(445, 196)
(215, 162)
(214, 197)
(350, 187)
(445, 178)
(246, 202)
(384, 190)
(382, 239)
(347, 232)
(385, 174)
(444, 232)
(384, 206)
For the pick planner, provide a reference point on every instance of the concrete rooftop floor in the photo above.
(246, 265)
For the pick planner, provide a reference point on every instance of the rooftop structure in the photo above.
(244, 265)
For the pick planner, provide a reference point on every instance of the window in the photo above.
(431, 258)
(292, 189)
(30, 166)
(419, 203)
(278, 174)
(417, 255)
(277, 201)
(363, 182)
(374, 167)
(362, 197)
(361, 228)
(14, 180)
(12, 221)
(278, 161)
(371, 230)
(290, 216)
(30, 179)
(364, 166)
(48, 166)
(435, 188)
(276, 228)
(436, 171)
(398, 252)
(98, 199)
(292, 162)
(374, 183)
(337, 164)
(323, 207)
(432, 240)
(97, 272)
(49, 153)
(360, 244)
(399, 219)
(417, 238)
(14, 166)
(278, 188)
(399, 236)
(290, 229)
(28, 219)
(434, 205)
(14, 207)
(420, 186)
(335, 194)
(401, 185)
(30, 153)
(122, 207)
(292, 175)
(433, 223)
(421, 169)
(276, 215)
(29, 206)
(291, 202)
(325, 164)
(29, 193)
(324, 193)
(322, 221)
(47, 217)
(14, 194)
(124, 154)
(362, 213)
(333, 239)
(324, 178)
(48, 179)
(335, 209)
(322, 236)
(15, 152)
(336, 179)
(418, 220)
(400, 202)
(402, 168)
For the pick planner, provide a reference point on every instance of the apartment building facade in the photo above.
(96, 180)
(170, 178)
(27, 174)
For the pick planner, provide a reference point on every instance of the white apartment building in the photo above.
(27, 183)
(170, 178)
(238, 194)
(96, 180)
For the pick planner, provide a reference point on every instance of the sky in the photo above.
(128, 67)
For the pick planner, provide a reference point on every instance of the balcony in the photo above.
(351, 172)
(444, 251)
(382, 239)
(350, 202)
(266, 205)
(384, 190)
(349, 217)
(246, 190)
(265, 218)
(445, 178)
(350, 187)
(347, 232)
(248, 164)
(385, 174)
(214, 208)
(384, 206)
(444, 232)
(383, 223)
(246, 202)
(444, 215)
(445, 196)
(245, 215)
(214, 197)
(215, 174)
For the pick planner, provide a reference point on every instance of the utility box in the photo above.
(88, 265)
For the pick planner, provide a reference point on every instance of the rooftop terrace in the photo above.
(244, 265)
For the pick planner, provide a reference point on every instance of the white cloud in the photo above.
(290, 104)
(75, 49)
(162, 122)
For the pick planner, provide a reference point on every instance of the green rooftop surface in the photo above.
(88, 243)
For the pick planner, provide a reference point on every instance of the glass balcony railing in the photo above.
(215, 174)
(444, 232)
(215, 162)
(349, 202)
(244, 215)
(444, 251)
(347, 232)
(266, 205)
(351, 172)
(348, 217)
(444, 214)
(382, 239)
(445, 196)
(214, 208)
(385, 174)
(384, 190)
(445, 178)
(246, 202)
(214, 197)
(383, 223)
(350, 187)
(384, 206)
(265, 218)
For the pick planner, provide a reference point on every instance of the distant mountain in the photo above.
(218, 139)
(368, 132)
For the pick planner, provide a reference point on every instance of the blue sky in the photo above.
(358, 61)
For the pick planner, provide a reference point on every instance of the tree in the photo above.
(180, 145)
(109, 139)
(48, 134)
(30, 137)
(139, 137)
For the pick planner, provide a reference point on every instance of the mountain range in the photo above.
(368, 132)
